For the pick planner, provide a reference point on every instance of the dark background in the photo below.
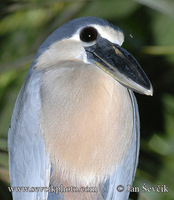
(149, 35)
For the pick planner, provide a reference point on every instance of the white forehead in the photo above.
(107, 32)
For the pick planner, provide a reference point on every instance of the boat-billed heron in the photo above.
(75, 124)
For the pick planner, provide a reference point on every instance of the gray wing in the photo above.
(28, 163)
(125, 173)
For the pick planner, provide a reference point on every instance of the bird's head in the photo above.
(94, 41)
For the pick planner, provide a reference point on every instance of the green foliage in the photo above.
(110, 9)
(149, 31)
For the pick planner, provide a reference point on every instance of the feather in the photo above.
(28, 163)
(125, 174)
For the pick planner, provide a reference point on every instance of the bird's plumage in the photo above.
(29, 163)
(125, 174)
(88, 107)
(26, 145)
(73, 124)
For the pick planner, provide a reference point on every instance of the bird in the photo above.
(75, 128)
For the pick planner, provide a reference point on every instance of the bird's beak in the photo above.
(120, 64)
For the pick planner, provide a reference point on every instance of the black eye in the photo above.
(88, 34)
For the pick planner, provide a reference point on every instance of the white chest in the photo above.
(86, 121)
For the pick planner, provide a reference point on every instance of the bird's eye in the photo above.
(88, 34)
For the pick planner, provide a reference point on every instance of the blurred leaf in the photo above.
(158, 50)
(4, 160)
(163, 29)
(162, 6)
(157, 142)
(26, 19)
(118, 8)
